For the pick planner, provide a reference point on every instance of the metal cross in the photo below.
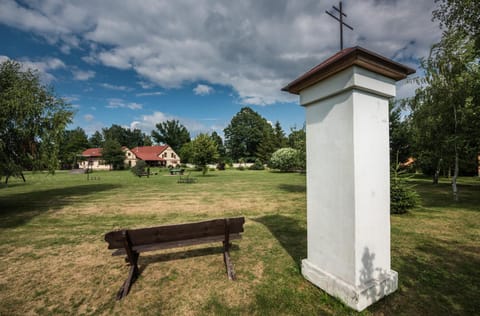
(340, 11)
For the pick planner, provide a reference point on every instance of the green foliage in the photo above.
(246, 131)
(258, 165)
(298, 140)
(126, 137)
(186, 152)
(112, 154)
(204, 151)
(446, 110)
(140, 168)
(461, 15)
(96, 140)
(402, 196)
(400, 134)
(172, 133)
(32, 121)
(221, 148)
(72, 144)
(285, 159)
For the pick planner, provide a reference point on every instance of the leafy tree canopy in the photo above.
(205, 151)
(246, 131)
(112, 154)
(73, 143)
(126, 137)
(32, 121)
(172, 133)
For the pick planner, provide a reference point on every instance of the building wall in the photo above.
(171, 157)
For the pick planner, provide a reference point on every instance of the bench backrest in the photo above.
(171, 233)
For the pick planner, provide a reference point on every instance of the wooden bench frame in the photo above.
(132, 242)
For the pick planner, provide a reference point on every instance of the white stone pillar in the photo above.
(348, 199)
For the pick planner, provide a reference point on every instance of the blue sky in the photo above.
(138, 64)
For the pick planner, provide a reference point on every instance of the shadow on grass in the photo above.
(440, 195)
(439, 278)
(290, 232)
(293, 188)
(17, 209)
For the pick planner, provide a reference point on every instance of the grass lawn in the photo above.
(53, 259)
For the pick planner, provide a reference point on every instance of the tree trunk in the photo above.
(454, 178)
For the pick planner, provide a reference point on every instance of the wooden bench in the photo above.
(132, 242)
(186, 179)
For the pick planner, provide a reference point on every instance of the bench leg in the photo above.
(228, 264)
(132, 258)
(132, 276)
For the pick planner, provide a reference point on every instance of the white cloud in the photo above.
(255, 47)
(202, 89)
(88, 117)
(147, 94)
(119, 103)
(115, 87)
(83, 75)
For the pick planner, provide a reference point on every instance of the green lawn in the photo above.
(53, 259)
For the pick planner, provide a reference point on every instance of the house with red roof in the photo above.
(161, 156)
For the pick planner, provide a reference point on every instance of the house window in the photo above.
(173, 155)
(165, 155)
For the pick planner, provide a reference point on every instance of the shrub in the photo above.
(221, 165)
(139, 168)
(258, 165)
(402, 196)
(285, 159)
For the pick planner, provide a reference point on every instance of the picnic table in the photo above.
(175, 171)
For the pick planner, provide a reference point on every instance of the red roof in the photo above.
(345, 58)
(92, 152)
(149, 153)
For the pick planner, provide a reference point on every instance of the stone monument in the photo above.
(348, 197)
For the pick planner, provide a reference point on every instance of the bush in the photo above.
(139, 168)
(402, 196)
(221, 165)
(285, 159)
(258, 165)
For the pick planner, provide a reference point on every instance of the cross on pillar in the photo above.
(340, 20)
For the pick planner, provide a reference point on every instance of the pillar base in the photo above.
(357, 298)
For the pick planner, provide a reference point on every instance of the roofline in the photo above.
(352, 56)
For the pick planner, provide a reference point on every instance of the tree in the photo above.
(205, 151)
(244, 134)
(400, 135)
(96, 140)
(462, 16)
(72, 144)
(221, 148)
(172, 133)
(112, 154)
(186, 152)
(298, 140)
(285, 159)
(32, 120)
(447, 108)
(279, 139)
(125, 136)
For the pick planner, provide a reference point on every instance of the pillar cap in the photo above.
(352, 56)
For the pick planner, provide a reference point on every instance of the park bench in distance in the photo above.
(132, 242)
(187, 179)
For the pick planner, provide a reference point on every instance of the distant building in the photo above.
(162, 156)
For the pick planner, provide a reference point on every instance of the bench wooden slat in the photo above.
(170, 233)
(175, 244)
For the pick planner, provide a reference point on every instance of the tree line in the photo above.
(249, 138)
(442, 127)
